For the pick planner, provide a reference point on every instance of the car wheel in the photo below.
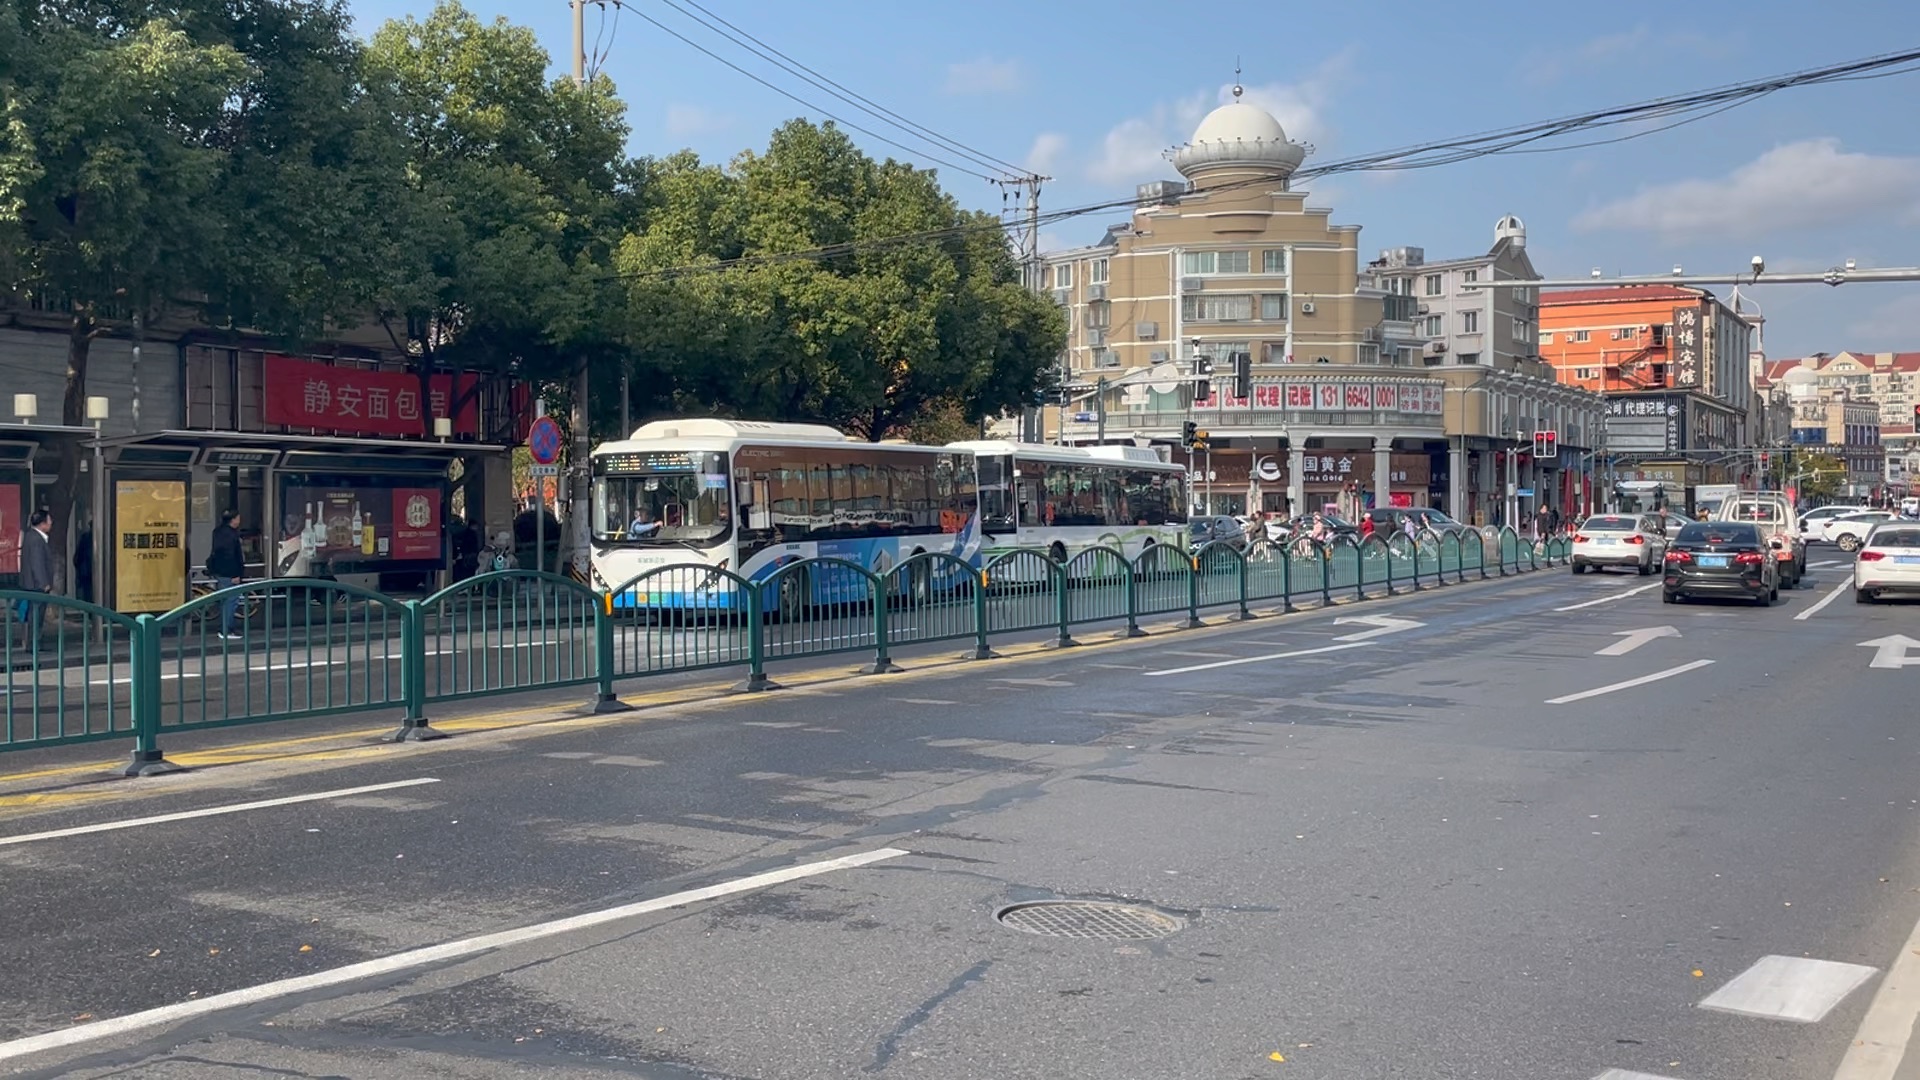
(1579, 568)
(1669, 598)
(1773, 595)
(1848, 542)
(1645, 569)
(1863, 596)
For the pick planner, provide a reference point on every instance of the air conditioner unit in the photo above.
(1108, 359)
(1063, 297)
(1096, 292)
(1146, 331)
(1372, 333)
(1097, 338)
(1424, 309)
(1307, 308)
(1192, 284)
(1157, 356)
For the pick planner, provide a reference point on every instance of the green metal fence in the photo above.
(292, 650)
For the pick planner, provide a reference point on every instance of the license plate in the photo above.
(1713, 560)
(1906, 560)
(1603, 540)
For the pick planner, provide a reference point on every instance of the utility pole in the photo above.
(580, 497)
(1032, 274)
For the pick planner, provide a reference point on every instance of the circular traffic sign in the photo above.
(543, 440)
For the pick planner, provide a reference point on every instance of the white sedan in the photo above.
(1632, 540)
(1812, 520)
(1850, 530)
(1889, 562)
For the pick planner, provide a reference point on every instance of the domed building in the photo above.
(1314, 393)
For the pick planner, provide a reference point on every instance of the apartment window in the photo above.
(1520, 329)
(1273, 306)
(1469, 322)
(1469, 357)
(1235, 262)
(1099, 315)
(1546, 337)
(1469, 275)
(1622, 333)
(1431, 326)
(1586, 373)
(1215, 308)
(1433, 284)
(1063, 276)
(1097, 272)
(1400, 286)
(1370, 354)
(1273, 262)
(1579, 335)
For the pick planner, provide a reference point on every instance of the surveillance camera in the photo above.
(1759, 264)
(1850, 265)
(1596, 273)
(1677, 271)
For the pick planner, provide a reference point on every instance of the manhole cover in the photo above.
(1089, 920)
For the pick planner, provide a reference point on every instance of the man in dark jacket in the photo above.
(36, 568)
(226, 564)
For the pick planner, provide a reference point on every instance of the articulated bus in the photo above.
(1063, 500)
(749, 498)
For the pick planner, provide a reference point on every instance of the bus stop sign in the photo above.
(543, 441)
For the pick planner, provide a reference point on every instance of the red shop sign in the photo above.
(310, 394)
(416, 523)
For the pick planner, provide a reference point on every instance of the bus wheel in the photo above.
(793, 596)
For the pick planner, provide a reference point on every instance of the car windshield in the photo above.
(1870, 515)
(1718, 532)
(1767, 512)
(1892, 538)
(1611, 523)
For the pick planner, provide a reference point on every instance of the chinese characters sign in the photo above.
(1655, 423)
(1689, 346)
(150, 555)
(310, 394)
(1334, 395)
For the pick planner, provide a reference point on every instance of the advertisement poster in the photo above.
(150, 560)
(360, 527)
(310, 394)
(12, 520)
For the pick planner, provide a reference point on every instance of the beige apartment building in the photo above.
(1344, 408)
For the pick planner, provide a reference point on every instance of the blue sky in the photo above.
(1090, 93)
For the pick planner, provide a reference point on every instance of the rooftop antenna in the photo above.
(1237, 88)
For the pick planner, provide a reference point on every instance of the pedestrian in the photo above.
(83, 565)
(227, 564)
(36, 571)
(1542, 520)
(1366, 526)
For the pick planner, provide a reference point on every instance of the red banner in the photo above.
(416, 523)
(310, 394)
(12, 520)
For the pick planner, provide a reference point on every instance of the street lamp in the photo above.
(98, 410)
(26, 407)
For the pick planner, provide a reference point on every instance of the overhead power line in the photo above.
(1690, 107)
(858, 101)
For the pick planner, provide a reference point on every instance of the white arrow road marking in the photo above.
(1382, 624)
(1892, 651)
(1630, 683)
(1633, 639)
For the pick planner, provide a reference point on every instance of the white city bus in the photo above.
(1062, 499)
(750, 497)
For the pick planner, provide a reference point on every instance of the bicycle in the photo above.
(202, 584)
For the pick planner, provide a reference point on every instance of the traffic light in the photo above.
(1200, 440)
(1187, 432)
(1203, 386)
(1546, 444)
(1242, 375)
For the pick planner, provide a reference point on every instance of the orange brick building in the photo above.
(1614, 339)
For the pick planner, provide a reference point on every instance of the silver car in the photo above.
(1638, 541)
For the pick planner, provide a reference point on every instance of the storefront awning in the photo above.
(270, 450)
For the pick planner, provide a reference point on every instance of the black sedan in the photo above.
(1720, 558)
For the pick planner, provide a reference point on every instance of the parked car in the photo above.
(1216, 529)
(1722, 558)
(1635, 541)
(1390, 519)
(1889, 562)
(1849, 531)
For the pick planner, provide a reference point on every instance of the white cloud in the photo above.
(1628, 48)
(684, 120)
(1892, 327)
(985, 75)
(1132, 149)
(1047, 148)
(1799, 185)
(1052, 241)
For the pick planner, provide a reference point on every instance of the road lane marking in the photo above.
(1824, 601)
(1622, 1074)
(1609, 599)
(1630, 683)
(1382, 625)
(212, 811)
(1633, 639)
(1881, 1042)
(1794, 988)
(413, 958)
(1260, 659)
(1891, 651)
(1827, 565)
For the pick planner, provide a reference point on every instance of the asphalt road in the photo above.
(1476, 832)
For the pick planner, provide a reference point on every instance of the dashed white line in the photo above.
(413, 958)
(1609, 599)
(1260, 659)
(1622, 1074)
(1824, 601)
(1630, 683)
(213, 811)
(1795, 988)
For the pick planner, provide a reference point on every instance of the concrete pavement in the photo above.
(1388, 853)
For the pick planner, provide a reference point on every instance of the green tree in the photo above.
(110, 167)
(878, 337)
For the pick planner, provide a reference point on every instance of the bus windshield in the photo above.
(661, 497)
